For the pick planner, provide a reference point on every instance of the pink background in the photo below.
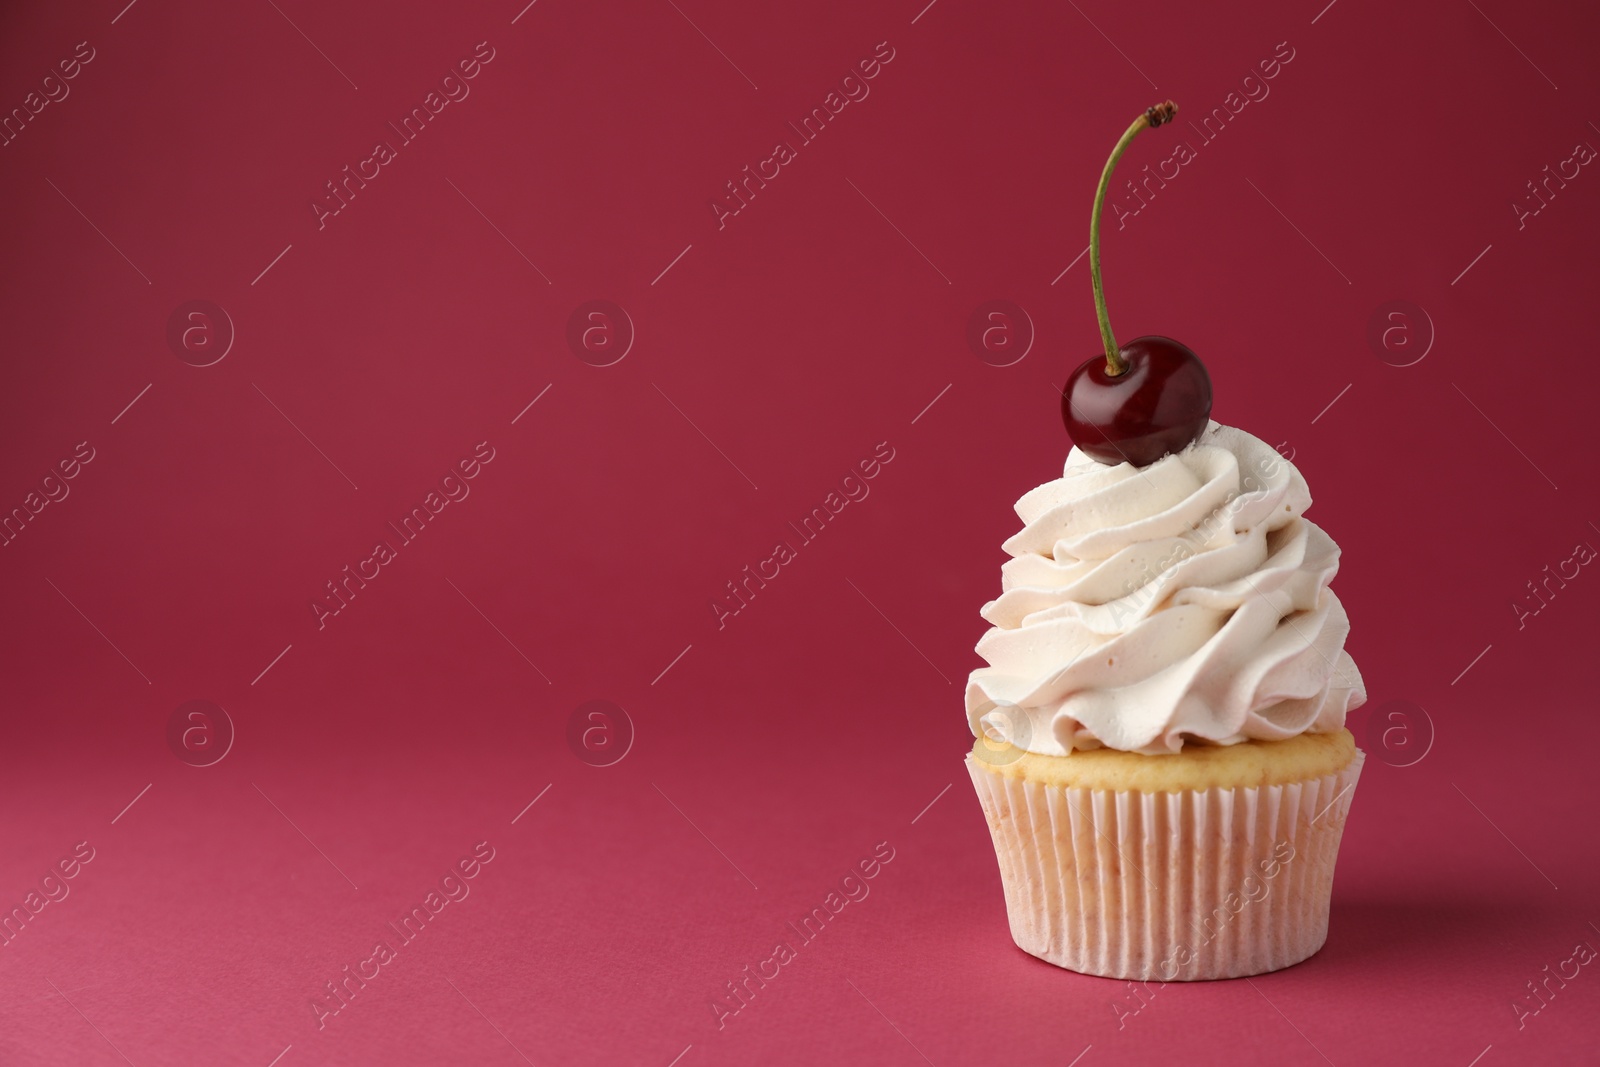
(770, 356)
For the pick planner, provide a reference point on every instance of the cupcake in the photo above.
(1160, 746)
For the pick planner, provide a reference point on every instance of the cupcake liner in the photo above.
(1181, 886)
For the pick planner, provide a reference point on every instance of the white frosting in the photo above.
(1144, 607)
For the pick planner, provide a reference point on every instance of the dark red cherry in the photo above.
(1160, 404)
(1139, 401)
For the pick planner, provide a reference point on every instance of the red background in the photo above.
(377, 351)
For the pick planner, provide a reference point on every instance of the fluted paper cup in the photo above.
(1176, 886)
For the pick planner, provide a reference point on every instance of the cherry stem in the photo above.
(1155, 116)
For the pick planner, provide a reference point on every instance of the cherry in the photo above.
(1145, 399)
(1160, 404)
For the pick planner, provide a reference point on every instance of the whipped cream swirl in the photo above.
(1186, 601)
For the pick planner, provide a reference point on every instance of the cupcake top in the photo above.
(1186, 601)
